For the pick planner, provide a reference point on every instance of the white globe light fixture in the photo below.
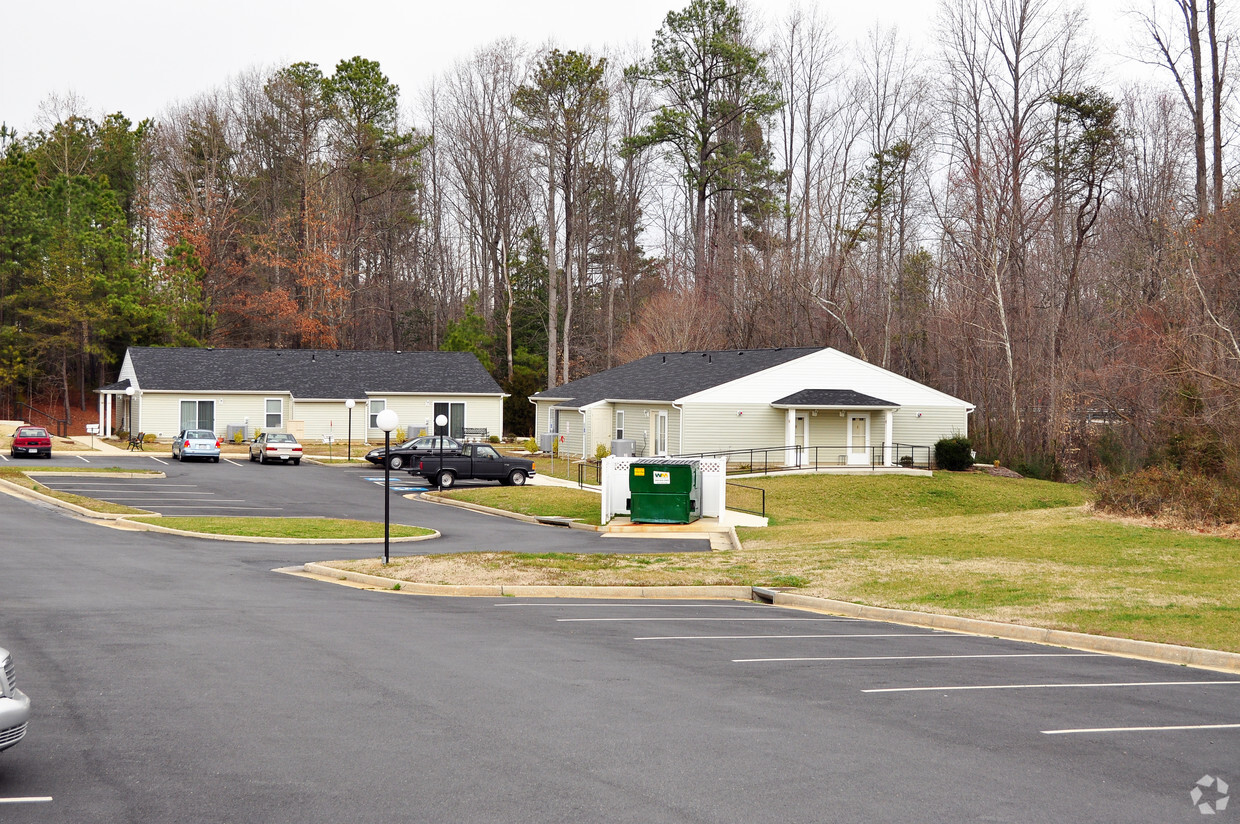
(349, 404)
(386, 420)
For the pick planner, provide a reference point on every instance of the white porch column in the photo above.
(100, 417)
(888, 415)
(790, 436)
(109, 399)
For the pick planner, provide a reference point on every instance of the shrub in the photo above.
(1158, 492)
(257, 433)
(954, 454)
(601, 451)
(238, 437)
(149, 437)
(1042, 466)
(906, 461)
(399, 434)
(122, 434)
(494, 439)
(530, 445)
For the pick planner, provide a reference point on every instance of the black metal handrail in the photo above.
(732, 501)
(597, 466)
(760, 459)
(60, 427)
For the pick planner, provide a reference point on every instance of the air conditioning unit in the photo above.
(624, 448)
(546, 441)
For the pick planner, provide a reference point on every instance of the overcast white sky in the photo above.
(140, 56)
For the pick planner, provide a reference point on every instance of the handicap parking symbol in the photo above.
(398, 486)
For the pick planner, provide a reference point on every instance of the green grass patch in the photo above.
(818, 498)
(320, 528)
(969, 544)
(539, 501)
(18, 476)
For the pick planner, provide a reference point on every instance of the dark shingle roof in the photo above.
(671, 375)
(309, 373)
(832, 398)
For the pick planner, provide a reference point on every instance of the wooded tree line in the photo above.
(991, 217)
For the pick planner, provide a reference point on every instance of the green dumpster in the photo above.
(665, 491)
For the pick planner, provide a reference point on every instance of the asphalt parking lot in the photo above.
(235, 487)
(185, 679)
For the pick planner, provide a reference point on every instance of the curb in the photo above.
(18, 491)
(437, 498)
(1124, 647)
(255, 539)
(531, 591)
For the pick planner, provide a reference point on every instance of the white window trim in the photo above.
(619, 424)
(267, 427)
(215, 406)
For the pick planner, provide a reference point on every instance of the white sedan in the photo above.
(14, 705)
(275, 446)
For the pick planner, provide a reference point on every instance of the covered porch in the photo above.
(862, 418)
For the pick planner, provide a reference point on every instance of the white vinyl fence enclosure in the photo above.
(615, 478)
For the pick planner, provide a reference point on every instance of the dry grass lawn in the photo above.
(966, 544)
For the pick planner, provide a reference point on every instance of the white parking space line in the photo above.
(157, 460)
(780, 637)
(132, 493)
(1085, 685)
(32, 799)
(640, 606)
(121, 483)
(1146, 729)
(213, 506)
(923, 657)
(676, 618)
(234, 463)
(83, 460)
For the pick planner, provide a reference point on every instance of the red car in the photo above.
(31, 440)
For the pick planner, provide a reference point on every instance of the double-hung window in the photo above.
(619, 424)
(274, 414)
(377, 405)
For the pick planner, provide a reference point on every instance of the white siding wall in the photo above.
(711, 427)
(160, 412)
(936, 422)
(415, 413)
(321, 418)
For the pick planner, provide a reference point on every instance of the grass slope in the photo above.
(969, 544)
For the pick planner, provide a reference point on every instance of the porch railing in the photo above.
(768, 459)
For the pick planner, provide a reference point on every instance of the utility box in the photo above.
(624, 447)
(665, 491)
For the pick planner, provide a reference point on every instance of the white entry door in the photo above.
(858, 440)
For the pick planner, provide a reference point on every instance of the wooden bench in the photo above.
(475, 433)
(136, 442)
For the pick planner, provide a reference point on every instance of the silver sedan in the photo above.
(196, 443)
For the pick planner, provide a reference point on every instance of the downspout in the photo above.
(681, 416)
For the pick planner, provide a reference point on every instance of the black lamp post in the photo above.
(349, 406)
(386, 420)
(440, 422)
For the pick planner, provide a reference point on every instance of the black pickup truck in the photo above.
(476, 460)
